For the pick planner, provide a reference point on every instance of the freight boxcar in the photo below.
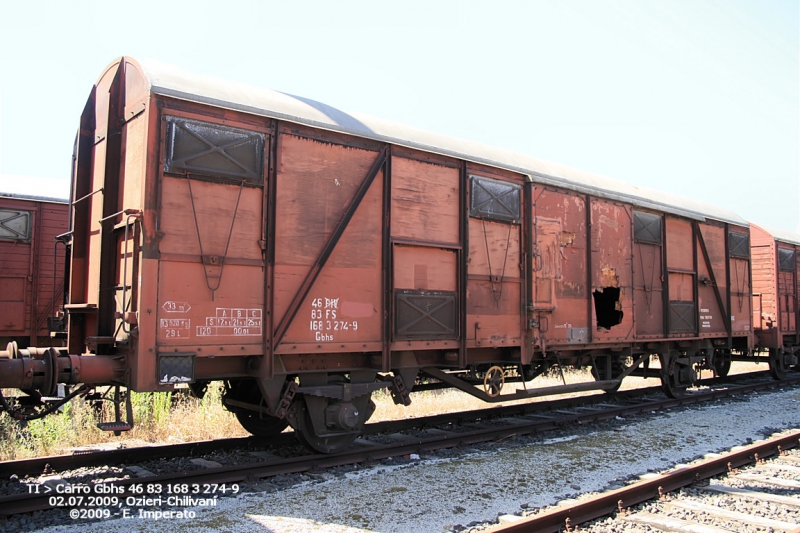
(31, 266)
(775, 297)
(309, 257)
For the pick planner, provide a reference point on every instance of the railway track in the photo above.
(59, 463)
(505, 423)
(675, 499)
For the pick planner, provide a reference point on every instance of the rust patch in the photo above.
(565, 238)
(609, 277)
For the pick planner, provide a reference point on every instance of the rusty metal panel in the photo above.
(425, 293)
(560, 265)
(680, 244)
(187, 317)
(424, 268)
(648, 255)
(712, 284)
(741, 291)
(425, 315)
(763, 251)
(681, 287)
(424, 201)
(681, 274)
(611, 270)
(212, 216)
(495, 284)
(494, 199)
(316, 182)
(649, 289)
(741, 287)
(213, 150)
(210, 298)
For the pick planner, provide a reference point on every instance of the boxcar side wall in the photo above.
(31, 267)
(267, 248)
(764, 280)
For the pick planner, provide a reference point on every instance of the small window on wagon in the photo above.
(647, 227)
(786, 260)
(739, 245)
(214, 150)
(15, 225)
(493, 199)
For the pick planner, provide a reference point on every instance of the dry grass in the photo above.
(159, 418)
(178, 417)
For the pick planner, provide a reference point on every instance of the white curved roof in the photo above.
(781, 235)
(171, 81)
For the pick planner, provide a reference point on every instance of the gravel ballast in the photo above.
(456, 489)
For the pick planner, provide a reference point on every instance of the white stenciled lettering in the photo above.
(232, 322)
(325, 319)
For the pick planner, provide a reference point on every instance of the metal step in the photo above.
(114, 426)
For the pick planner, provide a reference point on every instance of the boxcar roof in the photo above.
(32, 198)
(781, 235)
(168, 80)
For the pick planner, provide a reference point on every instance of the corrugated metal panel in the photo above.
(170, 81)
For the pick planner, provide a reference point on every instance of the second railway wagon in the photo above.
(309, 257)
(31, 266)
(776, 276)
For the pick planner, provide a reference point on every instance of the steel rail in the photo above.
(35, 466)
(558, 519)
(247, 473)
(59, 463)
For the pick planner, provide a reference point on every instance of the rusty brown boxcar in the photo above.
(31, 266)
(775, 297)
(308, 257)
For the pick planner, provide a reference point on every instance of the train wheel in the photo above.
(261, 425)
(722, 363)
(671, 382)
(339, 422)
(778, 366)
(256, 423)
(323, 444)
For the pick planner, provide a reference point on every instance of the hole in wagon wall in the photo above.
(607, 307)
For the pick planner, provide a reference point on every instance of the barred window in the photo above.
(15, 225)
(494, 199)
(214, 150)
(739, 245)
(647, 227)
(786, 260)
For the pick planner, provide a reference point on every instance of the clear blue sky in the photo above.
(695, 97)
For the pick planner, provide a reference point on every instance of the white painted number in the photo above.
(328, 308)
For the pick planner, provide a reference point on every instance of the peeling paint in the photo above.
(565, 238)
(608, 221)
(609, 277)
